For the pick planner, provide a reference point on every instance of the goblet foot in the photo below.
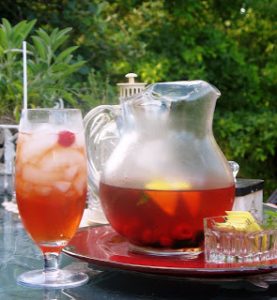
(52, 279)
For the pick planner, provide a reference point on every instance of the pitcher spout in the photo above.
(182, 90)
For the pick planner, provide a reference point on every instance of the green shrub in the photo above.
(230, 45)
(50, 66)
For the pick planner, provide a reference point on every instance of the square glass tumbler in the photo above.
(228, 245)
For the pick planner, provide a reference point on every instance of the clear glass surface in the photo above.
(228, 245)
(102, 127)
(18, 254)
(161, 170)
(61, 279)
(51, 188)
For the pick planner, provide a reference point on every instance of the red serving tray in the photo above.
(102, 246)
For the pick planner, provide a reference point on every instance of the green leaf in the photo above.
(1, 53)
(58, 42)
(64, 54)
(67, 96)
(143, 199)
(6, 26)
(40, 47)
(63, 32)
(59, 67)
(53, 34)
(66, 69)
(3, 39)
(44, 36)
(23, 29)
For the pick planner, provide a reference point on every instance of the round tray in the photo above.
(102, 246)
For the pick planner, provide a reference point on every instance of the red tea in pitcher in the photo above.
(163, 218)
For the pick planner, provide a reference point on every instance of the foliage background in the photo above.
(231, 44)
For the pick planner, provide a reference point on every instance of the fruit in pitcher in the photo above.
(163, 218)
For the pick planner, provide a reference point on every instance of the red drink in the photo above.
(51, 184)
(51, 187)
(163, 218)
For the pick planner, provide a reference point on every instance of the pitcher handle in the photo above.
(102, 125)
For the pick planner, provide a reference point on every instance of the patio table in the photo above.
(18, 254)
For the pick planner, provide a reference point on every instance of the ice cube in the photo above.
(45, 128)
(80, 183)
(71, 172)
(36, 146)
(35, 175)
(80, 140)
(69, 157)
(62, 186)
(61, 158)
(43, 190)
(48, 162)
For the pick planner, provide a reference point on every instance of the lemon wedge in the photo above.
(245, 222)
(166, 185)
(166, 200)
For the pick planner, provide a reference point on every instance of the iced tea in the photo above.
(163, 218)
(51, 184)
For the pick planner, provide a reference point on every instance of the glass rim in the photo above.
(51, 109)
(211, 221)
(214, 217)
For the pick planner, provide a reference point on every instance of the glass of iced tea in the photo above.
(51, 187)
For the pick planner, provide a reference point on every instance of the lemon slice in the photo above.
(242, 220)
(166, 185)
(167, 201)
(245, 222)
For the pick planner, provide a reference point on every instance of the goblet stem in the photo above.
(51, 262)
(49, 294)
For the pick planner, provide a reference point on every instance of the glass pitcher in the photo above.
(163, 171)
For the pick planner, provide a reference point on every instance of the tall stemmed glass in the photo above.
(51, 188)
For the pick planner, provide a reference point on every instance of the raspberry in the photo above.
(182, 232)
(66, 138)
(165, 241)
(147, 237)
